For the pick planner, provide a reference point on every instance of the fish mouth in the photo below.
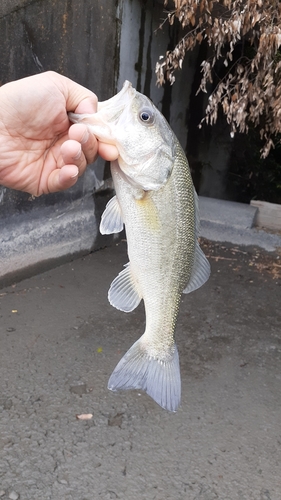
(113, 107)
(103, 123)
(127, 86)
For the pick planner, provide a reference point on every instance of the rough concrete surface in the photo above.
(59, 342)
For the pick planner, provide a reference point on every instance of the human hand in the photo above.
(40, 151)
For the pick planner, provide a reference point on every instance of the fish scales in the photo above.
(162, 254)
(156, 201)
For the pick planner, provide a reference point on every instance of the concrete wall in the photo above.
(77, 38)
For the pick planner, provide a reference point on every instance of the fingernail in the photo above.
(85, 137)
(78, 156)
(75, 175)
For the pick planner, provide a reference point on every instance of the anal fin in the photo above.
(200, 271)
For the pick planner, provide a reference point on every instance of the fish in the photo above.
(156, 202)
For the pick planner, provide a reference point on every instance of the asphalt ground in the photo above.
(60, 340)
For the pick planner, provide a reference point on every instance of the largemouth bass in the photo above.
(156, 201)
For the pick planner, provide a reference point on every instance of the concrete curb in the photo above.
(227, 213)
(50, 236)
(228, 221)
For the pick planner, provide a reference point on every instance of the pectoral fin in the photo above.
(200, 272)
(111, 219)
(123, 293)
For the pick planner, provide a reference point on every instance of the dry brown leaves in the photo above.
(250, 92)
(266, 264)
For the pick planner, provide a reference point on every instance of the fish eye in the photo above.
(146, 116)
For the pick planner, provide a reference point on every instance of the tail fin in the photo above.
(160, 379)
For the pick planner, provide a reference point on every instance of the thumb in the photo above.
(87, 106)
(77, 98)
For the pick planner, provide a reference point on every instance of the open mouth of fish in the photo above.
(108, 113)
(121, 99)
